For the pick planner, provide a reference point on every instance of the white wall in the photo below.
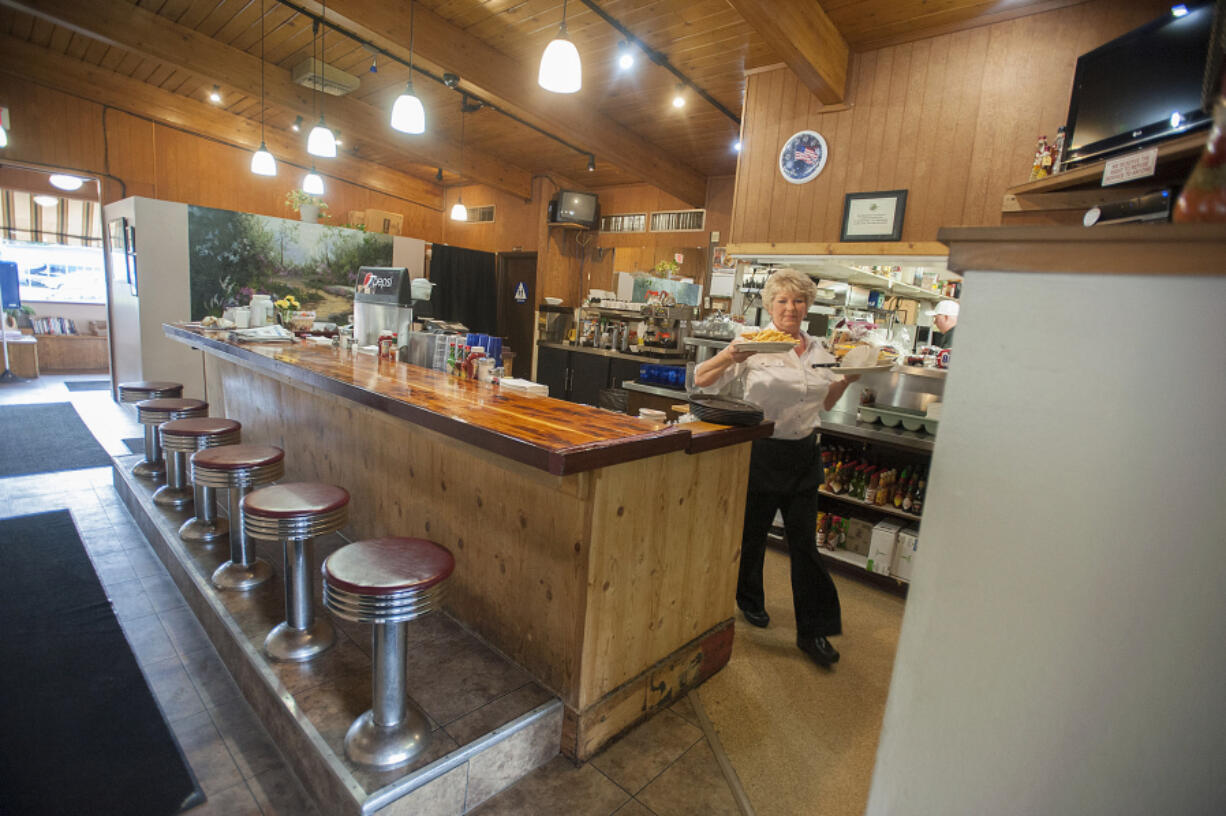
(1063, 649)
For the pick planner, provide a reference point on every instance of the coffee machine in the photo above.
(666, 327)
(382, 299)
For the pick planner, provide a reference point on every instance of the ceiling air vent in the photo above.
(320, 76)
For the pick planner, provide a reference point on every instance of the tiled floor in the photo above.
(664, 767)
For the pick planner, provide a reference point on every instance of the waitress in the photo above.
(786, 469)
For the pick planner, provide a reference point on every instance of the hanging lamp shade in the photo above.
(313, 183)
(262, 162)
(560, 71)
(321, 142)
(408, 114)
(458, 211)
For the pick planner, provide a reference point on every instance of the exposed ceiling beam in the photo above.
(150, 35)
(807, 40)
(510, 83)
(31, 63)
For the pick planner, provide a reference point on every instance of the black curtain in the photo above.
(466, 289)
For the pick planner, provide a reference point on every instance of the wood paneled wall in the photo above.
(952, 119)
(137, 156)
(514, 228)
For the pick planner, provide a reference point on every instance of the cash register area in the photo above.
(769, 734)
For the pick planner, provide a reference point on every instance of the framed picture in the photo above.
(117, 229)
(802, 157)
(874, 216)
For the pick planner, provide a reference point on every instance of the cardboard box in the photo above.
(859, 536)
(881, 546)
(904, 553)
(383, 221)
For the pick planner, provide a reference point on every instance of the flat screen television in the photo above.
(1140, 88)
(571, 207)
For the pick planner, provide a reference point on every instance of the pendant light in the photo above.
(458, 211)
(262, 161)
(408, 114)
(320, 141)
(313, 183)
(560, 69)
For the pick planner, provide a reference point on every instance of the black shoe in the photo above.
(820, 649)
(756, 617)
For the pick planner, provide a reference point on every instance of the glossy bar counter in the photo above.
(597, 550)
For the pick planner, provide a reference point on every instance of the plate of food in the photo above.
(767, 341)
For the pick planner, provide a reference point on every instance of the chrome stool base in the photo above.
(198, 531)
(289, 645)
(174, 498)
(153, 471)
(386, 747)
(235, 577)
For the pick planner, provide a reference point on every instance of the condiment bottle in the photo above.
(1204, 195)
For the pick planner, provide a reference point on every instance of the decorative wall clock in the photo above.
(803, 156)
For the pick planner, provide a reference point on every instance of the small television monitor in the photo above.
(571, 207)
(1140, 88)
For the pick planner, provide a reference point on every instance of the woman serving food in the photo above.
(790, 387)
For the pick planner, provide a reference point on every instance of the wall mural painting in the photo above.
(236, 255)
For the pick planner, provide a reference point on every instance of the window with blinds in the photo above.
(678, 220)
(631, 222)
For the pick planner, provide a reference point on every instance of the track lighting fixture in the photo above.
(591, 163)
(561, 71)
(297, 126)
(439, 175)
(374, 65)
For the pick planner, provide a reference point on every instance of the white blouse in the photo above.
(786, 386)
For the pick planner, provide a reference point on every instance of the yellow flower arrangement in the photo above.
(285, 306)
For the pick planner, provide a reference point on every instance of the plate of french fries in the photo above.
(767, 341)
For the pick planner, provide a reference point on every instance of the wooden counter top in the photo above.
(553, 435)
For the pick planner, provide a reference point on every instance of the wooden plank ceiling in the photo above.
(624, 118)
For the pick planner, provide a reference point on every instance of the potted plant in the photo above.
(307, 206)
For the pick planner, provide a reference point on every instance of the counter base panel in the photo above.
(490, 723)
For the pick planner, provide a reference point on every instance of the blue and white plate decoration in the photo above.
(803, 156)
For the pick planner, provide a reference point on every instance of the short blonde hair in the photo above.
(789, 280)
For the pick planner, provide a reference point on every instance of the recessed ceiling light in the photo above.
(46, 200)
(66, 182)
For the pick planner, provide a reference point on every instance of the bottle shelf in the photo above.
(889, 510)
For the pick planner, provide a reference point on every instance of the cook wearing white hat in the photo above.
(944, 318)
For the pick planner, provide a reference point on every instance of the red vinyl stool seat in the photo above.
(387, 582)
(180, 439)
(238, 469)
(295, 513)
(153, 412)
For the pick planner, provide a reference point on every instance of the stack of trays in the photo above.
(724, 411)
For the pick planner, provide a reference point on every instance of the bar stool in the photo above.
(152, 467)
(180, 439)
(153, 412)
(237, 469)
(387, 582)
(295, 513)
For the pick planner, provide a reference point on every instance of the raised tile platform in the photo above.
(491, 723)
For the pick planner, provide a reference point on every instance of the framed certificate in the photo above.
(873, 216)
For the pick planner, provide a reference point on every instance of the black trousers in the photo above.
(783, 476)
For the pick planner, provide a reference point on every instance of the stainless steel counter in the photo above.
(845, 423)
(677, 359)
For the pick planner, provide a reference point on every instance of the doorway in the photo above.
(517, 307)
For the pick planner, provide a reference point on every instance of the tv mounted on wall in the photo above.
(1141, 88)
(572, 207)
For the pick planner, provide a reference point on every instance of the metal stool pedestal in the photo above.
(237, 469)
(152, 467)
(295, 514)
(180, 439)
(387, 582)
(152, 413)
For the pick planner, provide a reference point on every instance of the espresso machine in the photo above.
(382, 299)
(666, 327)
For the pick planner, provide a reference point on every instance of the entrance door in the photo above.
(517, 315)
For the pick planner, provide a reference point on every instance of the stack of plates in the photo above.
(724, 411)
